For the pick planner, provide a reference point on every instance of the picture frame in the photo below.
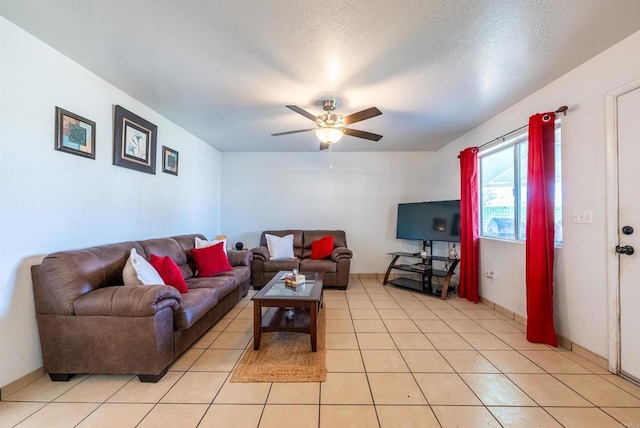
(169, 160)
(134, 141)
(74, 134)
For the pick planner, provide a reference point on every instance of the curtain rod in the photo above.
(562, 109)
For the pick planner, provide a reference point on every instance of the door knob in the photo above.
(627, 230)
(627, 249)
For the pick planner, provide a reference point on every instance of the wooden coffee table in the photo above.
(306, 302)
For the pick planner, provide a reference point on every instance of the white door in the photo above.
(628, 106)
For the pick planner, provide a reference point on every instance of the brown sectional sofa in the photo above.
(90, 323)
(336, 268)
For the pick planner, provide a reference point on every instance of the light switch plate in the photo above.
(583, 217)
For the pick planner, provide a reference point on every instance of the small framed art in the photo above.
(75, 134)
(169, 160)
(134, 141)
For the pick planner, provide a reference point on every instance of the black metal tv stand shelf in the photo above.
(424, 268)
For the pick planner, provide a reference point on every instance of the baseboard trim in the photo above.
(487, 302)
(365, 275)
(562, 341)
(594, 358)
(504, 311)
(20, 383)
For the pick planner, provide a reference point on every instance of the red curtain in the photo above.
(469, 224)
(540, 229)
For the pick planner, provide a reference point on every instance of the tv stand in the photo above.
(424, 269)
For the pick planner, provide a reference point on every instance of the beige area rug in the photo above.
(284, 357)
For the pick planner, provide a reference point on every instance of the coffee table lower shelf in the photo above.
(274, 319)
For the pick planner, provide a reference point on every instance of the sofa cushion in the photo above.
(311, 265)
(322, 248)
(138, 271)
(187, 242)
(201, 243)
(222, 284)
(297, 239)
(169, 272)
(164, 247)
(278, 265)
(211, 260)
(240, 273)
(310, 236)
(194, 305)
(280, 247)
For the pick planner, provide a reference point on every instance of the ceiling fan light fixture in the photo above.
(329, 135)
(330, 127)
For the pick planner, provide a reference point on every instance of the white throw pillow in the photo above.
(201, 243)
(138, 271)
(280, 247)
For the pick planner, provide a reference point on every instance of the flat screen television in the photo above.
(429, 221)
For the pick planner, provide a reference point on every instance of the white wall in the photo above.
(581, 271)
(356, 192)
(50, 200)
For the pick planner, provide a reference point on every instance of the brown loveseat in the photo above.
(90, 323)
(335, 268)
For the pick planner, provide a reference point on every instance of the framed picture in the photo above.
(134, 141)
(75, 134)
(169, 160)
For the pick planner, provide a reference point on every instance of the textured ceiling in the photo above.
(224, 70)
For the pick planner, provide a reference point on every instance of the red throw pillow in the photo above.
(322, 248)
(211, 260)
(169, 272)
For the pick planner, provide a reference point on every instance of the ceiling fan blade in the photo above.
(303, 112)
(292, 132)
(362, 134)
(324, 146)
(361, 115)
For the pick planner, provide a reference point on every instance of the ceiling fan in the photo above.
(331, 127)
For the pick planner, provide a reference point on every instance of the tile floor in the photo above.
(394, 359)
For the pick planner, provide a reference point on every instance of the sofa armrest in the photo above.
(127, 301)
(240, 257)
(260, 253)
(341, 253)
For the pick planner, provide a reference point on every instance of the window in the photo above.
(503, 189)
